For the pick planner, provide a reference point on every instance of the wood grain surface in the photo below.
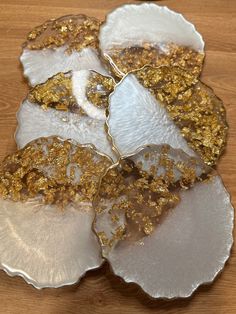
(101, 292)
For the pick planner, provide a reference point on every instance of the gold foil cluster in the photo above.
(54, 171)
(135, 57)
(99, 88)
(142, 188)
(55, 93)
(193, 106)
(74, 31)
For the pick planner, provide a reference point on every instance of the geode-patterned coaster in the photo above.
(46, 193)
(164, 221)
(69, 105)
(167, 105)
(61, 45)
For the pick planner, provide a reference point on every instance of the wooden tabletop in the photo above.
(100, 292)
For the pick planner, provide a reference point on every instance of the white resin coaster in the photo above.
(61, 45)
(71, 106)
(164, 221)
(46, 213)
(167, 105)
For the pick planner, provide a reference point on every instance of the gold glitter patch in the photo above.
(99, 88)
(54, 171)
(193, 106)
(55, 93)
(128, 59)
(75, 31)
(141, 189)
